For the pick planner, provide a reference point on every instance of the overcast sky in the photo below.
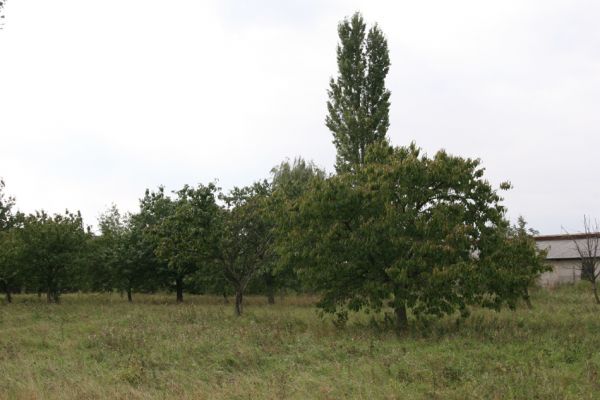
(102, 99)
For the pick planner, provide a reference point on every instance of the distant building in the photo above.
(563, 256)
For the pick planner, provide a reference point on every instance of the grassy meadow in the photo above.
(99, 346)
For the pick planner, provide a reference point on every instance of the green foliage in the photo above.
(9, 268)
(183, 229)
(245, 236)
(404, 229)
(11, 274)
(120, 257)
(51, 251)
(358, 105)
(510, 264)
(7, 203)
(289, 181)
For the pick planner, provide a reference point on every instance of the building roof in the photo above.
(566, 236)
(562, 247)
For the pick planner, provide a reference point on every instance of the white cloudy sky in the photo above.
(101, 99)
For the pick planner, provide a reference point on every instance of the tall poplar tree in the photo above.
(358, 105)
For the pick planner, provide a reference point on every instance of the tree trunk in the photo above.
(179, 285)
(129, 298)
(401, 317)
(588, 270)
(49, 296)
(7, 291)
(527, 299)
(269, 283)
(8, 295)
(594, 287)
(225, 299)
(238, 302)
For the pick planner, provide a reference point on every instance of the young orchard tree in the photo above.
(245, 237)
(104, 251)
(402, 231)
(9, 245)
(128, 263)
(10, 266)
(51, 251)
(358, 105)
(184, 232)
(587, 245)
(289, 182)
(510, 263)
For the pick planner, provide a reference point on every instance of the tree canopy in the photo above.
(358, 105)
(245, 236)
(403, 230)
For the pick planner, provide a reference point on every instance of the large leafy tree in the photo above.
(51, 251)
(358, 105)
(183, 230)
(245, 237)
(403, 230)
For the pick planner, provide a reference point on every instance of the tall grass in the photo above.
(99, 346)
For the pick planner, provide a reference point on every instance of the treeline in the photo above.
(195, 240)
(393, 228)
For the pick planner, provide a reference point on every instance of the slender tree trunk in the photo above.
(269, 283)
(179, 285)
(7, 291)
(50, 289)
(527, 299)
(588, 271)
(56, 296)
(129, 298)
(238, 302)
(401, 316)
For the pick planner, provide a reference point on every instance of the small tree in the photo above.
(10, 266)
(9, 245)
(509, 264)
(245, 237)
(51, 251)
(289, 182)
(587, 245)
(127, 262)
(183, 230)
(358, 105)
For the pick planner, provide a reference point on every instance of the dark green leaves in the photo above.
(358, 106)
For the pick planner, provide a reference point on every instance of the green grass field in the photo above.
(99, 346)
